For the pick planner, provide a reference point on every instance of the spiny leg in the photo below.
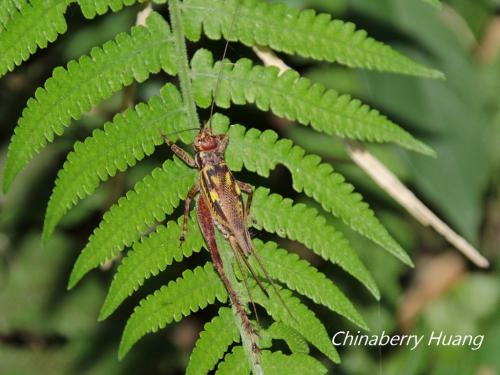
(239, 253)
(187, 204)
(206, 224)
(273, 285)
(245, 245)
(223, 142)
(182, 154)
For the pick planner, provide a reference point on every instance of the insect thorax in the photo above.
(207, 158)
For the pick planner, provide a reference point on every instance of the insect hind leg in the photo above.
(247, 287)
(273, 285)
(205, 222)
(239, 253)
(187, 205)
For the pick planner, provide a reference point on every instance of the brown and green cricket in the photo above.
(219, 203)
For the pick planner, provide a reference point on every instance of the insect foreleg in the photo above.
(187, 204)
(223, 140)
(182, 154)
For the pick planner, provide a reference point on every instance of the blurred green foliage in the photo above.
(45, 330)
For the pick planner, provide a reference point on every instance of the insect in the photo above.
(219, 204)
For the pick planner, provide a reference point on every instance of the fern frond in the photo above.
(293, 31)
(152, 199)
(148, 258)
(216, 337)
(195, 289)
(299, 317)
(260, 152)
(73, 91)
(192, 291)
(301, 223)
(9, 8)
(302, 277)
(296, 343)
(275, 363)
(277, 215)
(127, 139)
(295, 98)
(234, 363)
(359, 216)
(91, 8)
(33, 26)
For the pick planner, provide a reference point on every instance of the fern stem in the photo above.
(182, 62)
(226, 254)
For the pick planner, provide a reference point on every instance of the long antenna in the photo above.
(221, 70)
(180, 131)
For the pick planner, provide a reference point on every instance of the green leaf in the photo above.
(128, 138)
(195, 289)
(86, 167)
(155, 252)
(215, 339)
(71, 92)
(275, 363)
(235, 363)
(294, 340)
(298, 222)
(253, 159)
(192, 291)
(260, 152)
(295, 98)
(149, 257)
(34, 26)
(299, 317)
(9, 9)
(152, 199)
(289, 30)
(91, 8)
(302, 277)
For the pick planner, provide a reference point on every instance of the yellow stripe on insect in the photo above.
(214, 196)
(228, 179)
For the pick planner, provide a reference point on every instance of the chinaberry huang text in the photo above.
(346, 338)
